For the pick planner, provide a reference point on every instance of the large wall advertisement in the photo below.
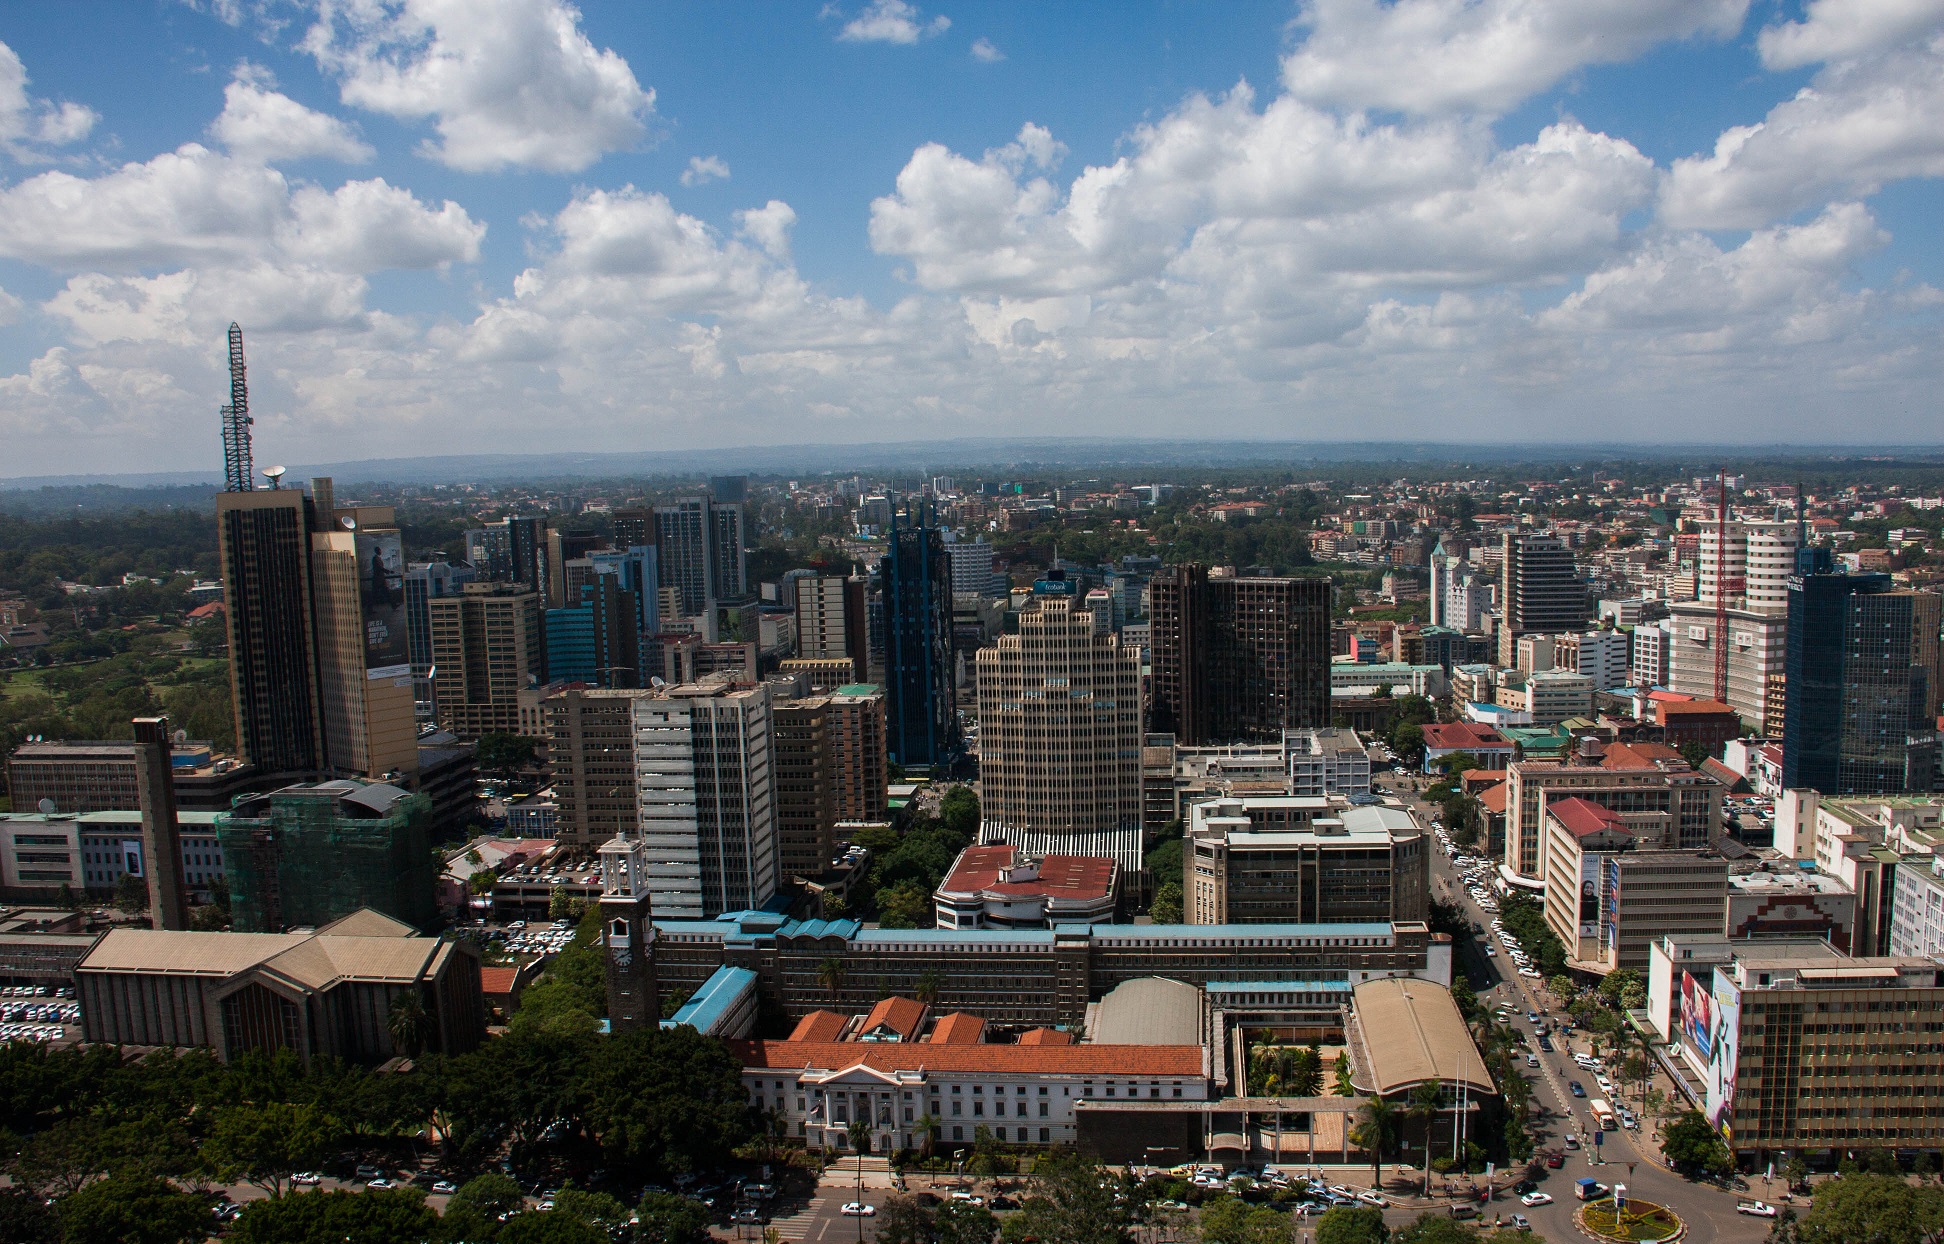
(381, 590)
(1589, 897)
(1725, 1046)
(1697, 1016)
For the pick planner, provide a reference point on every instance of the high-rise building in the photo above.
(591, 758)
(704, 782)
(1652, 644)
(1060, 737)
(1238, 658)
(263, 543)
(489, 551)
(806, 807)
(364, 670)
(1604, 656)
(638, 572)
(633, 527)
(920, 693)
(858, 774)
(486, 643)
(1280, 859)
(832, 621)
(728, 520)
(699, 547)
(1540, 590)
(971, 562)
(1857, 689)
(1744, 570)
(1664, 802)
(425, 581)
(310, 854)
(161, 831)
(596, 640)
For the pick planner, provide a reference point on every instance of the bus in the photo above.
(1603, 1116)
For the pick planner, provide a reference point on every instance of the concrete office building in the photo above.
(591, 758)
(364, 668)
(1606, 657)
(1540, 590)
(997, 886)
(1867, 843)
(859, 774)
(425, 581)
(1548, 697)
(1326, 762)
(263, 544)
(595, 640)
(1031, 976)
(1607, 901)
(1653, 654)
(1917, 907)
(1060, 737)
(1287, 860)
(805, 789)
(322, 994)
(1801, 1050)
(972, 573)
(704, 779)
(832, 622)
(488, 646)
(1236, 659)
(1667, 804)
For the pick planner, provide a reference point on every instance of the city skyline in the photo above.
(888, 222)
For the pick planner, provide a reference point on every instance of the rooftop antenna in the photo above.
(275, 475)
(237, 468)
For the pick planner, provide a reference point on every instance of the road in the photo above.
(1630, 1158)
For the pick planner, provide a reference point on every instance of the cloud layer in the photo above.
(1358, 252)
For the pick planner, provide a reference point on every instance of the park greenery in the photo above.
(908, 863)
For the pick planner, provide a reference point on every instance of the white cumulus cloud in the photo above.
(892, 21)
(1840, 29)
(702, 170)
(506, 83)
(984, 49)
(259, 123)
(27, 122)
(1478, 55)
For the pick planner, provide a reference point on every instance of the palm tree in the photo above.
(410, 1027)
(831, 974)
(927, 1123)
(1343, 1087)
(928, 986)
(1372, 1134)
(1423, 1108)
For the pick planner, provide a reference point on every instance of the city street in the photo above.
(1631, 1158)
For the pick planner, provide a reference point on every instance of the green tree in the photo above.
(670, 1219)
(133, 1209)
(1166, 908)
(1072, 1201)
(906, 905)
(506, 754)
(901, 1220)
(264, 1144)
(550, 1227)
(1436, 1229)
(831, 974)
(1343, 1225)
(1376, 1119)
(131, 894)
(959, 810)
(24, 1219)
(666, 1100)
(1872, 1209)
(1227, 1220)
(959, 1223)
(1689, 1142)
(1305, 1074)
(1341, 1084)
(398, 1216)
(409, 1024)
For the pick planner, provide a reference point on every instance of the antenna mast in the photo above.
(1722, 588)
(237, 468)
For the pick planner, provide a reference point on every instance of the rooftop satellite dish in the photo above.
(47, 807)
(348, 523)
(179, 737)
(657, 682)
(275, 475)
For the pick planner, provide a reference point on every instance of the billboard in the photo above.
(381, 594)
(1610, 935)
(1697, 1016)
(1725, 1046)
(1589, 898)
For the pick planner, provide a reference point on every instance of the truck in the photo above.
(1603, 1116)
(1589, 1189)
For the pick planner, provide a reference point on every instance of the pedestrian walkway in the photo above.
(797, 1226)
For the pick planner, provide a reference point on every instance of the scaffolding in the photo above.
(306, 856)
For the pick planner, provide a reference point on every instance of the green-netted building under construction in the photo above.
(306, 855)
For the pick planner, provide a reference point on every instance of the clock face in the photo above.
(623, 957)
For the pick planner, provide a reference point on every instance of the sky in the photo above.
(505, 226)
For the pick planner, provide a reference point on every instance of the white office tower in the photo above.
(704, 783)
(1060, 737)
(1748, 568)
(971, 564)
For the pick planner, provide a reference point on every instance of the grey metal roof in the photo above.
(1150, 1011)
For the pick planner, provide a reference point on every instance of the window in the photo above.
(1042, 1112)
(958, 1133)
(958, 1108)
(1046, 1134)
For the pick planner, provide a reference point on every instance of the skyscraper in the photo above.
(857, 758)
(920, 695)
(591, 758)
(1856, 689)
(424, 582)
(595, 640)
(161, 831)
(1540, 591)
(1745, 569)
(1060, 737)
(1236, 659)
(682, 549)
(486, 643)
(364, 670)
(806, 811)
(263, 542)
(831, 621)
(704, 786)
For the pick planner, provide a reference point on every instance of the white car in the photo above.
(307, 1179)
(857, 1209)
(1536, 1198)
(1371, 1198)
(1532, 973)
(1758, 1209)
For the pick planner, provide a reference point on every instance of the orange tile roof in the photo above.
(1582, 817)
(1639, 755)
(1100, 1060)
(958, 1028)
(900, 1015)
(819, 1026)
(498, 982)
(1060, 876)
(1677, 707)
(1492, 798)
(1045, 1036)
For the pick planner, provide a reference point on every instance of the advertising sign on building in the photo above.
(381, 589)
(1697, 1017)
(1724, 1045)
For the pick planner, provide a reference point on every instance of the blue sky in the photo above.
(450, 224)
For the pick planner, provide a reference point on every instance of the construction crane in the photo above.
(237, 468)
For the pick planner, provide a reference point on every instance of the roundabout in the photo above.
(1640, 1222)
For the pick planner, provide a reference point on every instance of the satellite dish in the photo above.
(348, 523)
(179, 737)
(274, 474)
(47, 806)
(657, 682)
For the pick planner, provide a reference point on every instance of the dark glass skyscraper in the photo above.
(263, 541)
(920, 701)
(1238, 658)
(1856, 685)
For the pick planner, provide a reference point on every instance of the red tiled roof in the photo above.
(958, 1028)
(1668, 697)
(1582, 817)
(498, 982)
(1463, 736)
(1665, 707)
(1100, 1060)
(1639, 755)
(900, 1015)
(1723, 774)
(1045, 1036)
(209, 610)
(819, 1026)
(1492, 798)
(1061, 876)
(1475, 780)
